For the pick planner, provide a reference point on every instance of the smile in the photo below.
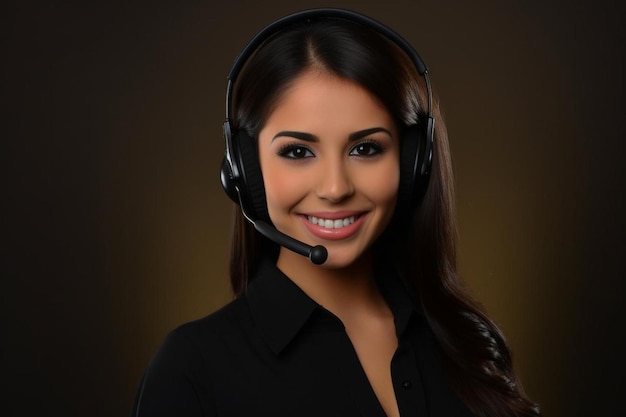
(338, 226)
(330, 223)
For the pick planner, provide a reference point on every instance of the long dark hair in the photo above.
(474, 353)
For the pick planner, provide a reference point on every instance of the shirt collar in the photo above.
(278, 306)
(281, 309)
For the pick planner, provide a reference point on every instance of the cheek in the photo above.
(282, 188)
(381, 185)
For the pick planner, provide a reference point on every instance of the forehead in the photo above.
(324, 103)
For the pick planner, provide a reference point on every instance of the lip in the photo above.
(334, 234)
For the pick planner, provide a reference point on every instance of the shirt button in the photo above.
(407, 384)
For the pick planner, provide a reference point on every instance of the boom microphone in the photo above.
(316, 254)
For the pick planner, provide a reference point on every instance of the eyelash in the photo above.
(287, 151)
(374, 146)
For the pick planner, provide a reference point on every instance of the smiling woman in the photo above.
(333, 143)
(343, 169)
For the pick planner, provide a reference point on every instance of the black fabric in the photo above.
(252, 184)
(409, 193)
(275, 352)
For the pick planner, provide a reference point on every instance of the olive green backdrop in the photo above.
(116, 228)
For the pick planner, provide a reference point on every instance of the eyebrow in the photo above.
(362, 133)
(308, 137)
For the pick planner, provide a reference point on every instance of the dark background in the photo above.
(116, 229)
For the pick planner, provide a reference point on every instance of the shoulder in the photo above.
(181, 376)
(213, 332)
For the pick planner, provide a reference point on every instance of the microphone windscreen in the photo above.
(318, 254)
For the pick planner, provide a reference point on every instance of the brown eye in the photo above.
(366, 149)
(298, 153)
(295, 152)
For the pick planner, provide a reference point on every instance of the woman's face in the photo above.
(329, 157)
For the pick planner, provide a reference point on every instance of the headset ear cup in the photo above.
(423, 164)
(229, 174)
(409, 163)
(252, 188)
(228, 182)
(413, 182)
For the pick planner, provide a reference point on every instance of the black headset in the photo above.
(240, 173)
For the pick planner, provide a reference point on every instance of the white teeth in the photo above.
(332, 224)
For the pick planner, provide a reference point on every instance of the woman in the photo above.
(333, 143)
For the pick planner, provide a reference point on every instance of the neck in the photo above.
(343, 291)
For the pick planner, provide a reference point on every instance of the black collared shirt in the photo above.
(276, 352)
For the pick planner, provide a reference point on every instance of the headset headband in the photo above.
(323, 13)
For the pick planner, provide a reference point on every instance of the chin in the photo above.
(342, 259)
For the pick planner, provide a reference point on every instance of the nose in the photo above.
(335, 184)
